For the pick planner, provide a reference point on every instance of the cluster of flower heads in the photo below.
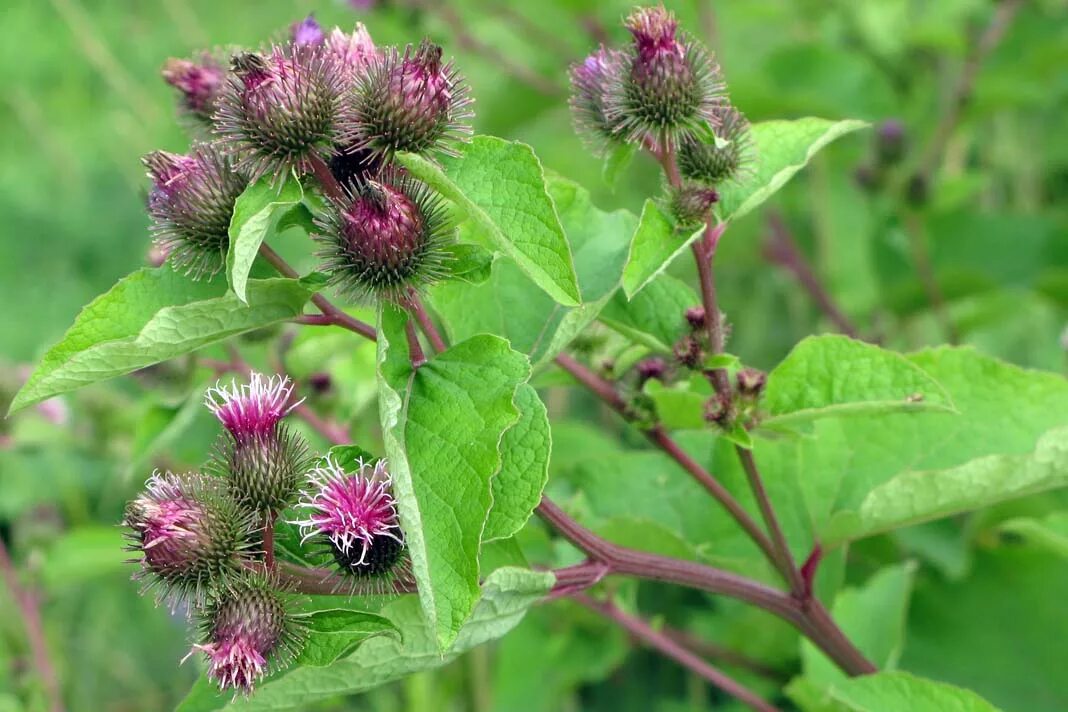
(665, 93)
(328, 104)
(200, 536)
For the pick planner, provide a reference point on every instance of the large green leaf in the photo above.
(442, 425)
(501, 187)
(783, 148)
(901, 692)
(653, 248)
(506, 594)
(257, 213)
(524, 470)
(655, 317)
(336, 632)
(834, 375)
(854, 477)
(153, 315)
(510, 304)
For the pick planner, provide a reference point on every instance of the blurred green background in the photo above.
(82, 101)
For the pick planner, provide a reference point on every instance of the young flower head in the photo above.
(408, 102)
(191, 201)
(355, 515)
(307, 32)
(188, 531)
(279, 110)
(351, 52)
(246, 631)
(261, 460)
(729, 155)
(691, 203)
(199, 82)
(668, 86)
(385, 238)
(591, 81)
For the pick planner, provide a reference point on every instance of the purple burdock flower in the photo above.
(654, 367)
(307, 32)
(199, 82)
(385, 239)
(279, 111)
(188, 532)
(351, 52)
(590, 83)
(252, 409)
(355, 513)
(246, 631)
(669, 84)
(261, 460)
(695, 317)
(408, 102)
(191, 202)
(728, 155)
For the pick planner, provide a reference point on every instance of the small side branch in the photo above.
(31, 620)
(662, 643)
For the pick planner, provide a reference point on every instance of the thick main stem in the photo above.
(809, 617)
(31, 620)
(659, 641)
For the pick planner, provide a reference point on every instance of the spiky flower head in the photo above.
(307, 32)
(279, 110)
(412, 102)
(729, 154)
(189, 533)
(386, 237)
(191, 201)
(591, 81)
(247, 631)
(691, 203)
(260, 459)
(199, 82)
(254, 409)
(669, 85)
(351, 52)
(355, 514)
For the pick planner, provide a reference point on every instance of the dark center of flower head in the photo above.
(170, 536)
(381, 556)
(384, 230)
(169, 171)
(418, 86)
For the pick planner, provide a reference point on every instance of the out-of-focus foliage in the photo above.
(975, 600)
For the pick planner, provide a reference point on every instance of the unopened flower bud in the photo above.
(691, 204)
(654, 367)
(727, 156)
(279, 111)
(719, 410)
(751, 382)
(247, 631)
(669, 85)
(412, 102)
(385, 238)
(695, 317)
(355, 516)
(191, 202)
(199, 83)
(307, 32)
(591, 81)
(689, 351)
(890, 142)
(261, 460)
(188, 531)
